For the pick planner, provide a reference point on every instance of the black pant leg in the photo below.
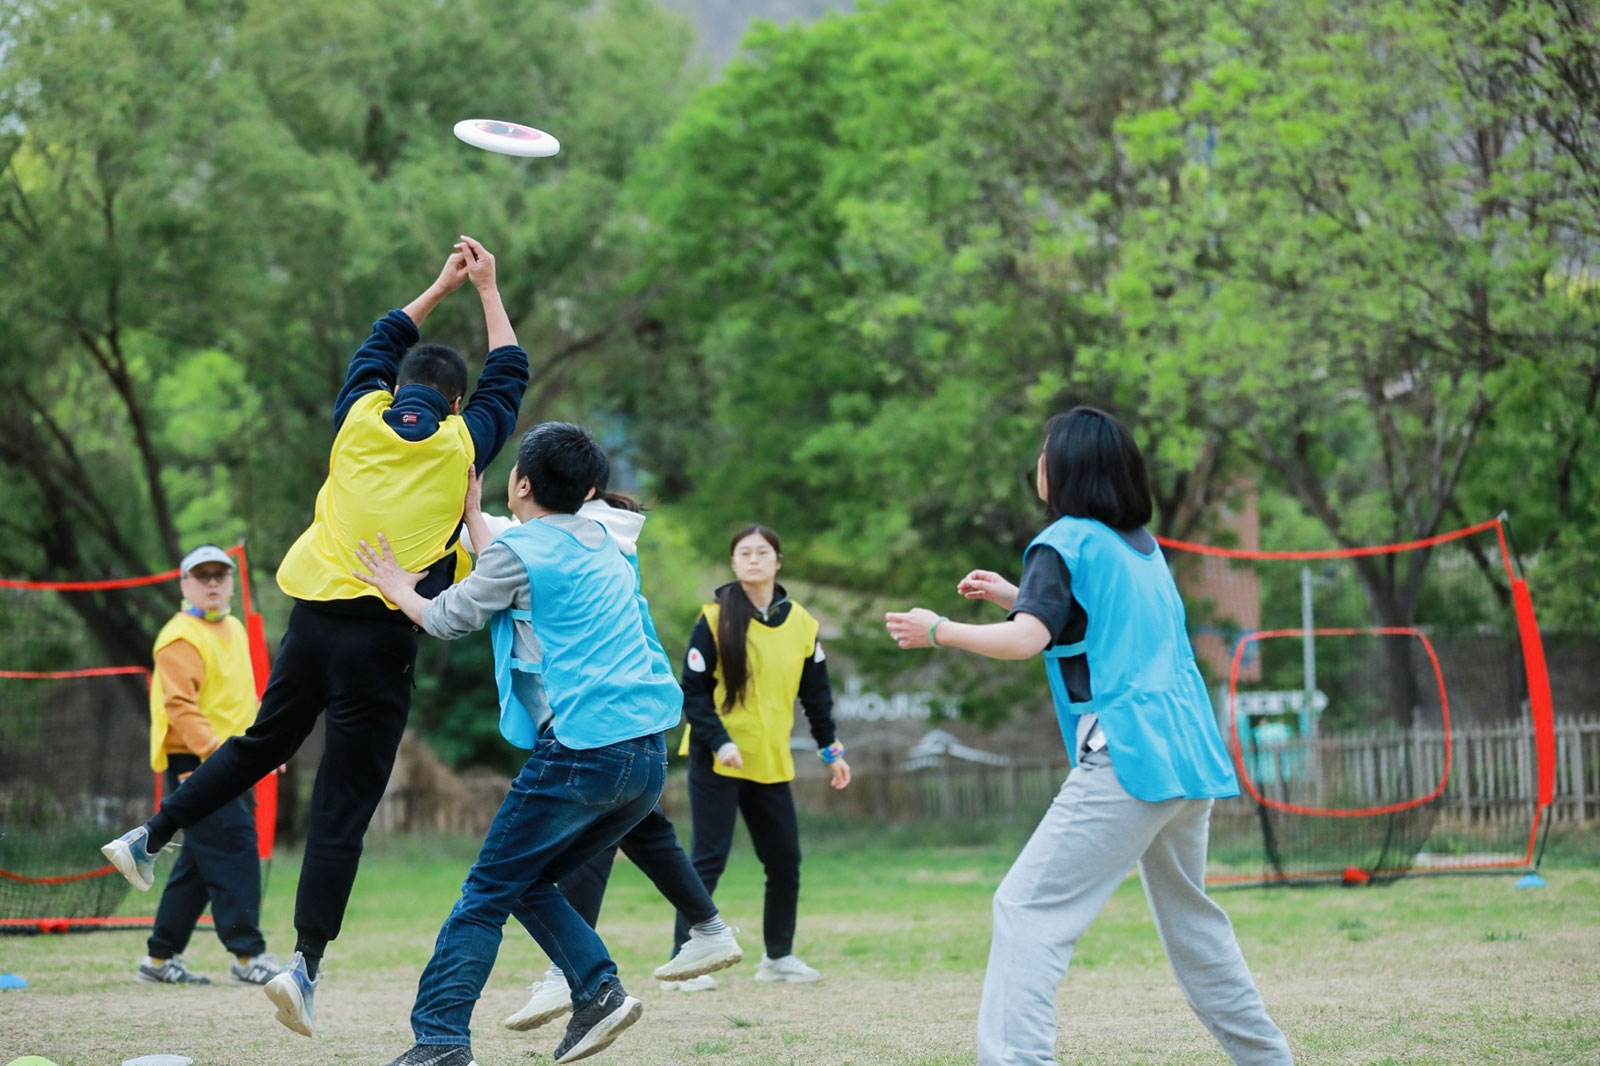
(653, 847)
(713, 810)
(225, 850)
(369, 684)
(585, 887)
(775, 833)
(184, 898)
(295, 695)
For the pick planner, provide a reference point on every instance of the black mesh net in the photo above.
(1376, 705)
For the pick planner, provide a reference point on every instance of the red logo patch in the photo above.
(409, 420)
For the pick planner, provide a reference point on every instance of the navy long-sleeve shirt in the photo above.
(700, 681)
(416, 414)
(490, 412)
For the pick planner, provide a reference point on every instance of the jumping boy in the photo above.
(403, 447)
(557, 593)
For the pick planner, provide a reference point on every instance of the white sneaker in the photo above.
(701, 955)
(550, 1000)
(292, 992)
(788, 968)
(703, 983)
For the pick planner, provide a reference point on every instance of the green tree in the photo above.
(880, 243)
(1355, 277)
(203, 205)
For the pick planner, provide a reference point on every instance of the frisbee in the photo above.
(507, 138)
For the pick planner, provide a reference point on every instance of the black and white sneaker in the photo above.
(172, 972)
(597, 1023)
(436, 1055)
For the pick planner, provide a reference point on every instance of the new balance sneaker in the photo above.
(171, 972)
(701, 955)
(551, 999)
(291, 992)
(127, 853)
(703, 983)
(785, 968)
(597, 1023)
(436, 1055)
(256, 970)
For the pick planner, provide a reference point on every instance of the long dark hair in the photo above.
(733, 624)
(1093, 469)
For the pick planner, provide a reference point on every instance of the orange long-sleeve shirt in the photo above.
(182, 670)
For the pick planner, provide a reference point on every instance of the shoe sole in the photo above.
(121, 856)
(605, 1031)
(285, 995)
(699, 969)
(786, 979)
(518, 1024)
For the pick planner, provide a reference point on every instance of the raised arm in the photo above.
(491, 412)
(376, 364)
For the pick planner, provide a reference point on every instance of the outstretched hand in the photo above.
(910, 628)
(383, 571)
(988, 585)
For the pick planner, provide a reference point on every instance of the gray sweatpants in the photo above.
(1089, 839)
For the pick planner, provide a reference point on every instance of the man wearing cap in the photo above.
(203, 692)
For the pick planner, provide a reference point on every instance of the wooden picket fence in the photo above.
(1492, 778)
(1492, 781)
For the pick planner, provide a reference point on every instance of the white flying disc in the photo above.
(507, 138)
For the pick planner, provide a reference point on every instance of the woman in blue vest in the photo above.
(1097, 599)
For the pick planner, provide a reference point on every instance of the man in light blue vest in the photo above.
(556, 581)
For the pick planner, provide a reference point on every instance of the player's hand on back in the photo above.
(383, 572)
(473, 504)
(988, 585)
(480, 264)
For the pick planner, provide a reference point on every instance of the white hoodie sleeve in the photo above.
(624, 526)
(497, 526)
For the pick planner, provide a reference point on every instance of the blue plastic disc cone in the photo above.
(11, 980)
(1531, 881)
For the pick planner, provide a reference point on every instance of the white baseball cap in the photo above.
(206, 553)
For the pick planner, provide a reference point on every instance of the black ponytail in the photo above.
(734, 612)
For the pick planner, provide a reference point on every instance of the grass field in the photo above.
(1438, 971)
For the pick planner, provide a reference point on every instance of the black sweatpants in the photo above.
(653, 847)
(218, 865)
(359, 670)
(714, 803)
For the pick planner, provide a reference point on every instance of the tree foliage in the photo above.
(1337, 254)
(203, 205)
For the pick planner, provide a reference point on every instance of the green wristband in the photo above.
(933, 640)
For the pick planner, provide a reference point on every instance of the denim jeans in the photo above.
(565, 807)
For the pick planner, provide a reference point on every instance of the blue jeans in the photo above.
(564, 808)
